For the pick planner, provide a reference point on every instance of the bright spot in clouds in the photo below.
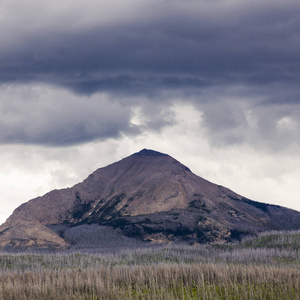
(286, 124)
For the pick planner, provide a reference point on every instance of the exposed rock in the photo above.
(33, 235)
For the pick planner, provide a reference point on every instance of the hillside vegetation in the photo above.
(266, 267)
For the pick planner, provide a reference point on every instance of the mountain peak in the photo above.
(149, 152)
(148, 195)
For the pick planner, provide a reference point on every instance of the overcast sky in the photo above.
(215, 84)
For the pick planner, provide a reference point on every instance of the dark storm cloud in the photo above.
(43, 115)
(237, 62)
(48, 115)
(175, 48)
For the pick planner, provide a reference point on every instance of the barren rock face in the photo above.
(152, 196)
(31, 235)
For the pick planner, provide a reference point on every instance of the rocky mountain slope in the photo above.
(148, 195)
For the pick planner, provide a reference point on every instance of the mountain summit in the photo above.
(147, 152)
(148, 195)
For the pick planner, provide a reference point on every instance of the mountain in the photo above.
(148, 195)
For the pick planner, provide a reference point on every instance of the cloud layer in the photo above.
(140, 45)
(45, 115)
(238, 62)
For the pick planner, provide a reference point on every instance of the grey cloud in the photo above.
(252, 122)
(43, 115)
(47, 115)
(173, 49)
(237, 62)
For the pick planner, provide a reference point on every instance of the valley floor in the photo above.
(267, 267)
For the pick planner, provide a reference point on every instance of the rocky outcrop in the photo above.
(26, 235)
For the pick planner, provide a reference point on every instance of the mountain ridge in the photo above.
(148, 195)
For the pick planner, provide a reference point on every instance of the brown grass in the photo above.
(267, 267)
(158, 281)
